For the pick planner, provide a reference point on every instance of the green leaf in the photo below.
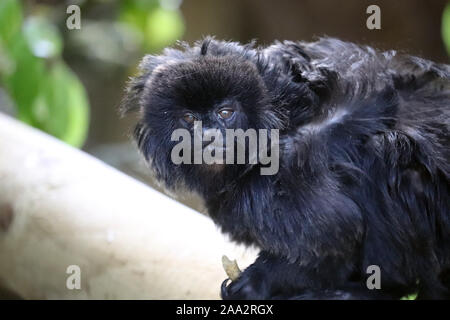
(62, 108)
(7, 65)
(42, 37)
(10, 19)
(446, 27)
(24, 80)
(78, 119)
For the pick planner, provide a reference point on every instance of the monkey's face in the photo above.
(222, 92)
(199, 95)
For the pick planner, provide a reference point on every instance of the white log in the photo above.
(62, 207)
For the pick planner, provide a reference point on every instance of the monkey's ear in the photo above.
(131, 100)
(136, 85)
(147, 66)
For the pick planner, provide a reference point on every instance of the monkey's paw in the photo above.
(244, 288)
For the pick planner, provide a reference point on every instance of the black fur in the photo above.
(371, 188)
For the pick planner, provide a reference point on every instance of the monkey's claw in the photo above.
(224, 289)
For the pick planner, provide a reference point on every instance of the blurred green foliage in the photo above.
(410, 297)
(159, 22)
(446, 27)
(45, 92)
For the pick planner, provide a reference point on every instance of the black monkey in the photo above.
(364, 162)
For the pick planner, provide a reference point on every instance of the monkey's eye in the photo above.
(225, 113)
(189, 117)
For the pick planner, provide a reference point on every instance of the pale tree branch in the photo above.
(61, 207)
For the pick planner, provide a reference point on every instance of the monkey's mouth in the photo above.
(213, 167)
(214, 157)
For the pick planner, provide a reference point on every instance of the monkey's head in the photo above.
(219, 86)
